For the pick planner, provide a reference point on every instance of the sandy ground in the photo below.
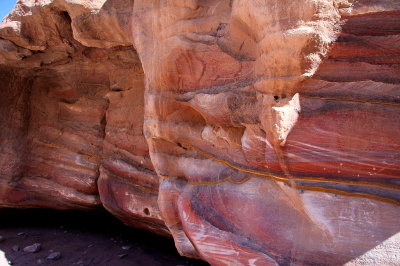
(82, 238)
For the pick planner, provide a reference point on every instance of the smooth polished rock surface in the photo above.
(252, 132)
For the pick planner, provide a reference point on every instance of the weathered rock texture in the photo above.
(253, 132)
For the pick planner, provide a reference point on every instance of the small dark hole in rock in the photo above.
(180, 145)
(117, 89)
(146, 211)
(276, 98)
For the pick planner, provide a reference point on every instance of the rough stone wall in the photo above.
(253, 132)
(72, 127)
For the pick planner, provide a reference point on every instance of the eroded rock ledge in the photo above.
(252, 132)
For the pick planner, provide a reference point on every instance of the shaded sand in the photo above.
(82, 238)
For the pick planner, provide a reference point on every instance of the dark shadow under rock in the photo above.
(83, 238)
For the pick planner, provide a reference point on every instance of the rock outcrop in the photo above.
(252, 132)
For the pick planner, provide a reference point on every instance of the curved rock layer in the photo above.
(72, 112)
(253, 132)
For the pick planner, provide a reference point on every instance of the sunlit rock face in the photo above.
(253, 132)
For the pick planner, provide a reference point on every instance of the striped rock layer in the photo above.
(252, 132)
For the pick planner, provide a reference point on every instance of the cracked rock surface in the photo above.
(252, 132)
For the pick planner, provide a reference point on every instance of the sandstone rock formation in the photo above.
(252, 132)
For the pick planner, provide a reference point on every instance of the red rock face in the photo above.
(72, 114)
(257, 133)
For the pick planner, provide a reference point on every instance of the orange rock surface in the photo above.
(252, 132)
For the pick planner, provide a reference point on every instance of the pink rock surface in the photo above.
(253, 132)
